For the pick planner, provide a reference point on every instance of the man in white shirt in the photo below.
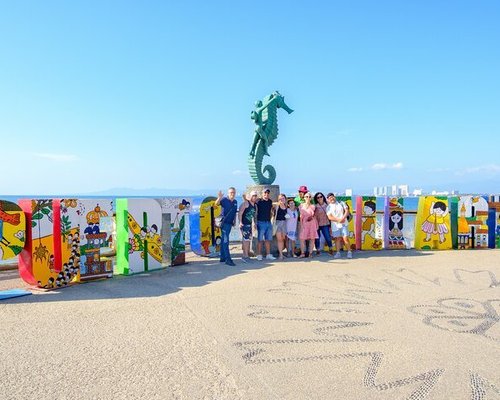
(337, 213)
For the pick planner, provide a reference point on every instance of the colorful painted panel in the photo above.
(205, 236)
(368, 235)
(96, 237)
(12, 230)
(139, 244)
(40, 262)
(472, 223)
(393, 223)
(347, 200)
(178, 211)
(494, 205)
(433, 230)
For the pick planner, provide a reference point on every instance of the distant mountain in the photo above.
(151, 192)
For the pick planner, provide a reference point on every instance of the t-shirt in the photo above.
(248, 214)
(229, 209)
(336, 210)
(264, 208)
(280, 214)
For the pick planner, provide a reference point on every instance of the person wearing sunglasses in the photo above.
(324, 224)
(309, 226)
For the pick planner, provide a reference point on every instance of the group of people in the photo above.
(306, 218)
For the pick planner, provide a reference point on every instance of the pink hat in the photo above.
(303, 189)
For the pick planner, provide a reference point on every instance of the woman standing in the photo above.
(281, 229)
(323, 222)
(309, 225)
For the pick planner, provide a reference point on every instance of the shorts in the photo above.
(264, 230)
(340, 232)
(246, 232)
(281, 227)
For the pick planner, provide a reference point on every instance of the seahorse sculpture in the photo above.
(265, 117)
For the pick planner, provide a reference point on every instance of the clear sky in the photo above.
(158, 94)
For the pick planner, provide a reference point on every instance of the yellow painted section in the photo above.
(433, 224)
(206, 226)
(154, 246)
(13, 234)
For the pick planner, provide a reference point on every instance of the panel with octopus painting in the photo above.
(12, 230)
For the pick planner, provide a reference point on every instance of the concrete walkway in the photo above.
(386, 325)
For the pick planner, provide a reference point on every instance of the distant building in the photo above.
(403, 190)
(417, 192)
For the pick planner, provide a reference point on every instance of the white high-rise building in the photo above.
(403, 190)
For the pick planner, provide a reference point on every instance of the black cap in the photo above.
(267, 191)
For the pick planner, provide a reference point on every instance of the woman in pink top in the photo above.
(309, 226)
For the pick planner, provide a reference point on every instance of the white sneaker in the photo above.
(270, 257)
(337, 255)
(349, 254)
(259, 257)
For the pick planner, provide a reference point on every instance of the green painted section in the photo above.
(453, 204)
(145, 224)
(265, 117)
(122, 244)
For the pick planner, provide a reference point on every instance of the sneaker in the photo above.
(349, 254)
(270, 257)
(259, 257)
(222, 260)
(230, 263)
(245, 259)
(337, 255)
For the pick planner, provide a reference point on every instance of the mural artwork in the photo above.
(368, 236)
(347, 200)
(41, 261)
(433, 225)
(393, 223)
(12, 230)
(205, 236)
(472, 230)
(494, 206)
(175, 212)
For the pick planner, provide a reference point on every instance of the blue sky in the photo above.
(116, 94)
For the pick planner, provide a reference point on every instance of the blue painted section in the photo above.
(10, 294)
(492, 215)
(194, 227)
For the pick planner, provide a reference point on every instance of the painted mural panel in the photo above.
(40, 262)
(205, 236)
(347, 200)
(178, 210)
(12, 230)
(494, 205)
(433, 224)
(393, 223)
(368, 235)
(139, 243)
(472, 222)
(96, 237)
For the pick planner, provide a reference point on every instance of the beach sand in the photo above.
(384, 325)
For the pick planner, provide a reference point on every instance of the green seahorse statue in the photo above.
(265, 117)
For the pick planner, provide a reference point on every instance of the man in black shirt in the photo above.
(264, 227)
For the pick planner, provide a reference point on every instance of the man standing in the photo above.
(247, 213)
(299, 199)
(337, 213)
(229, 207)
(265, 210)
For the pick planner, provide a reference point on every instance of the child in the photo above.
(434, 224)
(292, 215)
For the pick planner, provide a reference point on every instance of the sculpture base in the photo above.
(273, 195)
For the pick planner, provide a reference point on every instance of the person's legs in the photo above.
(311, 247)
(226, 230)
(302, 248)
(317, 243)
(280, 237)
(260, 239)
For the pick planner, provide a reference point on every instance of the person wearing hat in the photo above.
(299, 199)
(247, 213)
(265, 211)
(229, 209)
